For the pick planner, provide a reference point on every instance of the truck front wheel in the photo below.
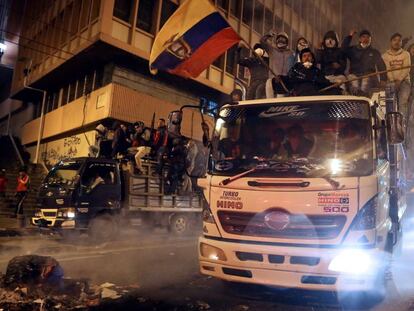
(103, 228)
(180, 224)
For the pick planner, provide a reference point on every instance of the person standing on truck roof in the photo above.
(100, 136)
(143, 141)
(258, 72)
(159, 144)
(23, 184)
(394, 58)
(301, 44)
(331, 59)
(364, 59)
(305, 78)
(277, 46)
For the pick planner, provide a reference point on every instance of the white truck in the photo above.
(304, 192)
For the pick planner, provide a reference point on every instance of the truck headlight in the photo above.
(71, 214)
(206, 213)
(211, 252)
(38, 214)
(366, 217)
(352, 261)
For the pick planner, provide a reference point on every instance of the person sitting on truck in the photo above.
(119, 143)
(305, 78)
(143, 141)
(297, 145)
(364, 59)
(100, 136)
(159, 145)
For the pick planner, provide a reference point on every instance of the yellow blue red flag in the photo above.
(191, 39)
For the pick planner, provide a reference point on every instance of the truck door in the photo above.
(100, 187)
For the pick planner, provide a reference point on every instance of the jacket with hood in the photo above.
(363, 60)
(278, 58)
(397, 59)
(257, 70)
(326, 57)
(295, 57)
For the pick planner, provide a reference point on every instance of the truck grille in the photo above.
(49, 214)
(298, 226)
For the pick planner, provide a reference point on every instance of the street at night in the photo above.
(228, 155)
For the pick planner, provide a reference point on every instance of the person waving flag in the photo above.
(191, 39)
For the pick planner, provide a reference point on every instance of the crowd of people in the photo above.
(135, 142)
(276, 71)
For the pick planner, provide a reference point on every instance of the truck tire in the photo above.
(180, 224)
(103, 228)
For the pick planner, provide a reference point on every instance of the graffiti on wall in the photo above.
(68, 147)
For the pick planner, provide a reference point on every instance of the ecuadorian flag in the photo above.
(191, 39)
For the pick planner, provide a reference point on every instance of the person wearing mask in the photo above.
(277, 47)
(364, 59)
(159, 145)
(305, 78)
(331, 59)
(395, 58)
(119, 143)
(259, 73)
(22, 189)
(301, 44)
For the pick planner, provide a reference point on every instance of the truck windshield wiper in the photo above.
(259, 166)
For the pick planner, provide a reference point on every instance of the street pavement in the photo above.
(164, 271)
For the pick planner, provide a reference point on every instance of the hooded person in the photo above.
(259, 73)
(305, 78)
(301, 44)
(364, 59)
(277, 46)
(331, 59)
(395, 58)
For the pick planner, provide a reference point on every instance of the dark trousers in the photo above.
(21, 196)
(174, 177)
(160, 159)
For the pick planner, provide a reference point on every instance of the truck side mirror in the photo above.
(395, 128)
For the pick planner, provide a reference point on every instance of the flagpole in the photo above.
(363, 77)
(265, 64)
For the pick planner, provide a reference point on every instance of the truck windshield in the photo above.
(294, 139)
(63, 174)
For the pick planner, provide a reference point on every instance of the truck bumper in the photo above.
(289, 267)
(53, 223)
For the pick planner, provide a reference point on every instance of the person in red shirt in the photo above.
(23, 182)
(3, 183)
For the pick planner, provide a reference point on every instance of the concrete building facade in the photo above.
(91, 58)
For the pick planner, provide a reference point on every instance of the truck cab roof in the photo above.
(297, 99)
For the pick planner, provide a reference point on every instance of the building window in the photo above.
(72, 91)
(89, 83)
(66, 22)
(145, 15)
(81, 87)
(258, 17)
(219, 62)
(278, 23)
(223, 4)
(99, 78)
(86, 7)
(247, 12)
(231, 60)
(268, 25)
(122, 9)
(75, 17)
(168, 8)
(65, 93)
(235, 7)
(95, 9)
